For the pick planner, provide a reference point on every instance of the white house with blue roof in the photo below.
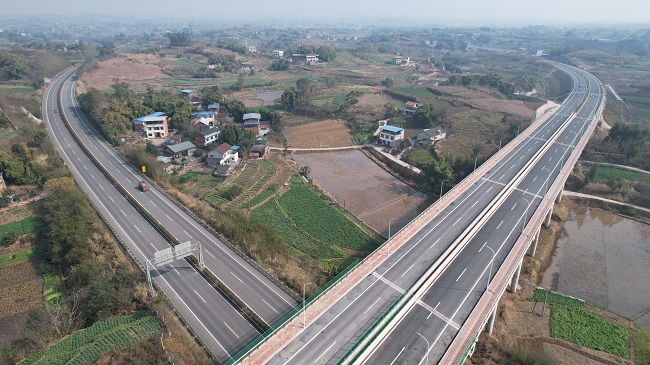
(389, 134)
(153, 125)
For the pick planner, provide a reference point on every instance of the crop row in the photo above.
(24, 226)
(269, 214)
(579, 326)
(604, 173)
(542, 295)
(88, 345)
(323, 222)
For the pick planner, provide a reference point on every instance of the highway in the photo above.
(220, 326)
(257, 291)
(444, 307)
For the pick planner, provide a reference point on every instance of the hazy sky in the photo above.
(493, 12)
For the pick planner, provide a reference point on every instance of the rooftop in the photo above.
(390, 128)
(252, 116)
(210, 131)
(183, 146)
(153, 117)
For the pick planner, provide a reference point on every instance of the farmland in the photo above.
(305, 221)
(578, 325)
(87, 345)
(313, 214)
(23, 226)
(604, 173)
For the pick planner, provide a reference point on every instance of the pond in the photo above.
(604, 259)
(269, 95)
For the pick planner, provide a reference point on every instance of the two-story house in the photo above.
(410, 108)
(223, 154)
(207, 136)
(153, 125)
(389, 134)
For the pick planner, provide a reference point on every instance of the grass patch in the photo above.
(7, 132)
(642, 346)
(87, 345)
(642, 114)
(605, 173)
(22, 255)
(16, 89)
(579, 326)
(418, 92)
(51, 288)
(555, 298)
(23, 226)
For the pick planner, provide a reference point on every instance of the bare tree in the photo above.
(66, 317)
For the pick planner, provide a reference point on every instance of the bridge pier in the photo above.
(547, 220)
(533, 244)
(558, 199)
(515, 278)
(489, 326)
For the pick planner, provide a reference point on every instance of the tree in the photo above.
(292, 100)
(438, 172)
(280, 65)
(179, 39)
(325, 53)
(387, 82)
(305, 171)
(236, 109)
(9, 238)
(151, 149)
(304, 85)
(426, 115)
(12, 66)
(277, 123)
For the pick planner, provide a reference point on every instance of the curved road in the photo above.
(220, 326)
(443, 308)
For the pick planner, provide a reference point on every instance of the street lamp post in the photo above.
(426, 356)
(523, 225)
(476, 159)
(304, 309)
(491, 263)
(441, 185)
(500, 142)
(388, 243)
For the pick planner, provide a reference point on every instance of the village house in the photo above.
(252, 49)
(299, 58)
(203, 119)
(277, 54)
(246, 66)
(410, 108)
(252, 117)
(430, 136)
(181, 149)
(152, 126)
(258, 150)
(214, 107)
(258, 128)
(223, 154)
(207, 136)
(389, 135)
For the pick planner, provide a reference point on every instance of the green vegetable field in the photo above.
(579, 326)
(27, 225)
(87, 345)
(605, 173)
(321, 221)
(555, 298)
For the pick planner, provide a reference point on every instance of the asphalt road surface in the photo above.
(211, 317)
(453, 295)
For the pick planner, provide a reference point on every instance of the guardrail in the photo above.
(114, 231)
(431, 211)
(446, 259)
(459, 348)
